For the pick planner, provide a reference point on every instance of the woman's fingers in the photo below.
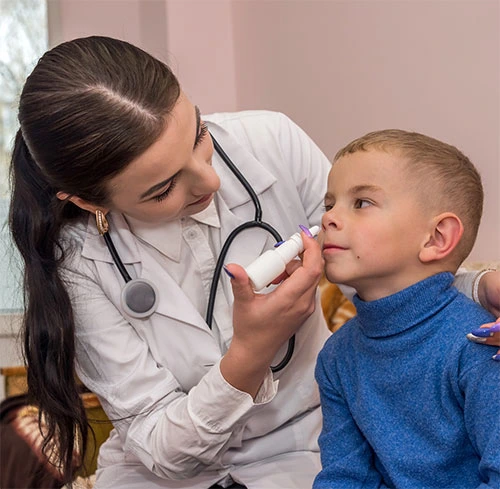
(489, 291)
(306, 273)
(270, 319)
(242, 288)
(487, 334)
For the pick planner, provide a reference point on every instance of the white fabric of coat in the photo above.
(178, 424)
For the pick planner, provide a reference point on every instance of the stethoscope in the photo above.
(139, 297)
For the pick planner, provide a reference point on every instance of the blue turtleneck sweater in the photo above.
(408, 402)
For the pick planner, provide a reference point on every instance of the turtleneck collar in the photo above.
(405, 309)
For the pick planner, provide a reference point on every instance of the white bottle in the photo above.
(272, 263)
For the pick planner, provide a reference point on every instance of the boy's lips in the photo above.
(332, 247)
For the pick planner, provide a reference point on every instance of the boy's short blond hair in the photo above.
(443, 176)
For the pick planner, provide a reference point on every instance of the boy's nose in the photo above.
(331, 218)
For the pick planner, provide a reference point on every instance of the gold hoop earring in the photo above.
(101, 222)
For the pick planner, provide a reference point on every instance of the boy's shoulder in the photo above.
(465, 314)
(456, 319)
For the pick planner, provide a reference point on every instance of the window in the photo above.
(23, 39)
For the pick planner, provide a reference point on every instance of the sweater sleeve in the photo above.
(347, 458)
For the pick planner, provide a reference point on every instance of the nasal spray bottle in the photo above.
(272, 263)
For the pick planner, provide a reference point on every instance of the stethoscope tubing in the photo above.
(257, 222)
(116, 257)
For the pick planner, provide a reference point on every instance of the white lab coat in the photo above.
(183, 426)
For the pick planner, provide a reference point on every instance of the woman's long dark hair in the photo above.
(89, 108)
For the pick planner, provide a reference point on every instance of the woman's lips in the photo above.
(202, 200)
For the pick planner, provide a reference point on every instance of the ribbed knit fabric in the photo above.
(408, 402)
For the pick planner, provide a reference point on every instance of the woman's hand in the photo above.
(264, 322)
(489, 297)
(489, 292)
(487, 334)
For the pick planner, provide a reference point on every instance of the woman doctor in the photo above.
(109, 141)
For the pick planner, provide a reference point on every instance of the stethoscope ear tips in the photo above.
(139, 298)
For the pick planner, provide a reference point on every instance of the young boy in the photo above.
(408, 402)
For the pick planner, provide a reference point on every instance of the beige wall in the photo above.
(338, 68)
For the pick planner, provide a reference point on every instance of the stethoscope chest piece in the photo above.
(139, 298)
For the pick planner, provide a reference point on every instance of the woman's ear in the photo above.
(83, 204)
(445, 234)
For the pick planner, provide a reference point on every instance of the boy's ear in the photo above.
(443, 239)
(79, 202)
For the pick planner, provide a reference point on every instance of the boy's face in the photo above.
(373, 227)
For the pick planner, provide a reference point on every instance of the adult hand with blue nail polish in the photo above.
(487, 334)
(488, 292)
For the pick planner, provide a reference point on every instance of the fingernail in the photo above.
(227, 271)
(475, 339)
(279, 243)
(486, 332)
(306, 230)
(496, 357)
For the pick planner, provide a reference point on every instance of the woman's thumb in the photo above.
(242, 288)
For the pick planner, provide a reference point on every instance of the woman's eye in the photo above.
(201, 135)
(327, 207)
(165, 193)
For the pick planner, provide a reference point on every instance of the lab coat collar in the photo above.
(172, 301)
(167, 238)
(259, 178)
(208, 216)
(95, 247)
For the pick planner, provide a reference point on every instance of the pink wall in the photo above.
(343, 68)
(338, 67)
(201, 47)
(140, 22)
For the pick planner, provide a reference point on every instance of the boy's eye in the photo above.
(362, 203)
(327, 207)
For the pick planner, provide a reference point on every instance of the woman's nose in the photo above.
(205, 179)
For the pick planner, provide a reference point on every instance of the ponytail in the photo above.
(35, 219)
(85, 115)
